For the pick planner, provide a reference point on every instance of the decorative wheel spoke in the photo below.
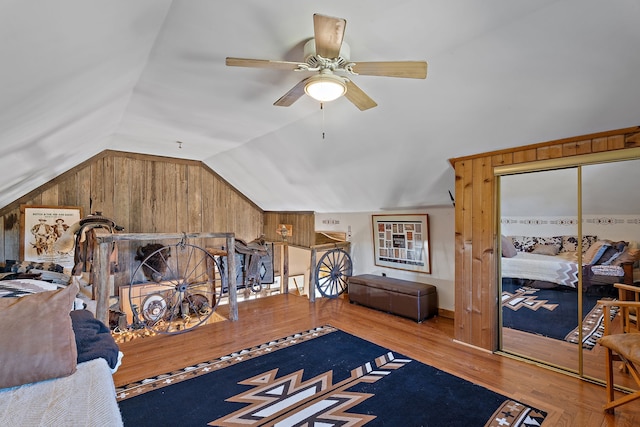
(180, 292)
(332, 272)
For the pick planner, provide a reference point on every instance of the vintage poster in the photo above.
(43, 226)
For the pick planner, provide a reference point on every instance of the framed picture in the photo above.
(402, 241)
(41, 227)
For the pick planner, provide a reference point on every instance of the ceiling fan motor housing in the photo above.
(314, 61)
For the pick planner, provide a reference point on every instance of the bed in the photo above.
(552, 261)
(56, 361)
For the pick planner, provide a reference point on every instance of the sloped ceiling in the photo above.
(81, 76)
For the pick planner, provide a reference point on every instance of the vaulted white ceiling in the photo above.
(81, 76)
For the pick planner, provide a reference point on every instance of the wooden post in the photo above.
(231, 277)
(312, 276)
(285, 266)
(101, 266)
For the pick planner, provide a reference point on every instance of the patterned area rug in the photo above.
(552, 313)
(322, 377)
(592, 328)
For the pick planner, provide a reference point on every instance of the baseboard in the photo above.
(484, 350)
(448, 314)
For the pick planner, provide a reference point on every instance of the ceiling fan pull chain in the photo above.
(322, 109)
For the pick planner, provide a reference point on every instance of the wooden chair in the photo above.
(629, 316)
(623, 346)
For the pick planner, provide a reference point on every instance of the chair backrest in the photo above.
(629, 315)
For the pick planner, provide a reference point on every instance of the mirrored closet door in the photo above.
(610, 211)
(567, 235)
(539, 295)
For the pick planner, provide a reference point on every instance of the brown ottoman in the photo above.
(414, 300)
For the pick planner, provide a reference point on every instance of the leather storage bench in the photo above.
(414, 300)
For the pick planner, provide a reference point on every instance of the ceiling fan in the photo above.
(328, 56)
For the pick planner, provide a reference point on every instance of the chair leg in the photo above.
(609, 378)
(611, 402)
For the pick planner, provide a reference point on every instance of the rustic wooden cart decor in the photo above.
(179, 280)
(179, 292)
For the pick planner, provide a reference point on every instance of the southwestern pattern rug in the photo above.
(553, 313)
(322, 377)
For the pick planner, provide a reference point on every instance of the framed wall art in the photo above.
(41, 227)
(402, 241)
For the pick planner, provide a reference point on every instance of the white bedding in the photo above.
(561, 269)
(556, 269)
(86, 398)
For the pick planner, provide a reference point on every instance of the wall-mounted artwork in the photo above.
(402, 241)
(41, 227)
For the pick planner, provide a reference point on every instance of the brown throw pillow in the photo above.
(37, 341)
(595, 251)
(545, 249)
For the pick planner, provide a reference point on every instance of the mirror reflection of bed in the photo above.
(540, 222)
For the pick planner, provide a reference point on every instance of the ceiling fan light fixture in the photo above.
(325, 87)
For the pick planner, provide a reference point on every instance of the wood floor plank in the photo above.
(570, 401)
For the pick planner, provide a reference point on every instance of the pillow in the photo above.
(612, 253)
(621, 245)
(595, 251)
(527, 243)
(37, 341)
(508, 250)
(554, 240)
(545, 249)
(27, 266)
(570, 243)
(629, 255)
(522, 243)
(608, 256)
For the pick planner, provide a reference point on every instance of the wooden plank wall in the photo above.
(303, 227)
(144, 194)
(476, 288)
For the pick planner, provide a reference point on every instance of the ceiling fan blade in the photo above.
(328, 32)
(293, 95)
(262, 63)
(406, 69)
(358, 97)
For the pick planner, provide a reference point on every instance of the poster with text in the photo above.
(44, 233)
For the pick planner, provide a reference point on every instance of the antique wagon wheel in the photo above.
(180, 294)
(332, 272)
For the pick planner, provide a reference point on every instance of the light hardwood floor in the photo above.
(569, 401)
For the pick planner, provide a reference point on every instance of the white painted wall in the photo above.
(358, 227)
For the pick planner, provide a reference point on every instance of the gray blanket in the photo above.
(93, 338)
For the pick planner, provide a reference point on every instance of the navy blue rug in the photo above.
(552, 313)
(319, 377)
